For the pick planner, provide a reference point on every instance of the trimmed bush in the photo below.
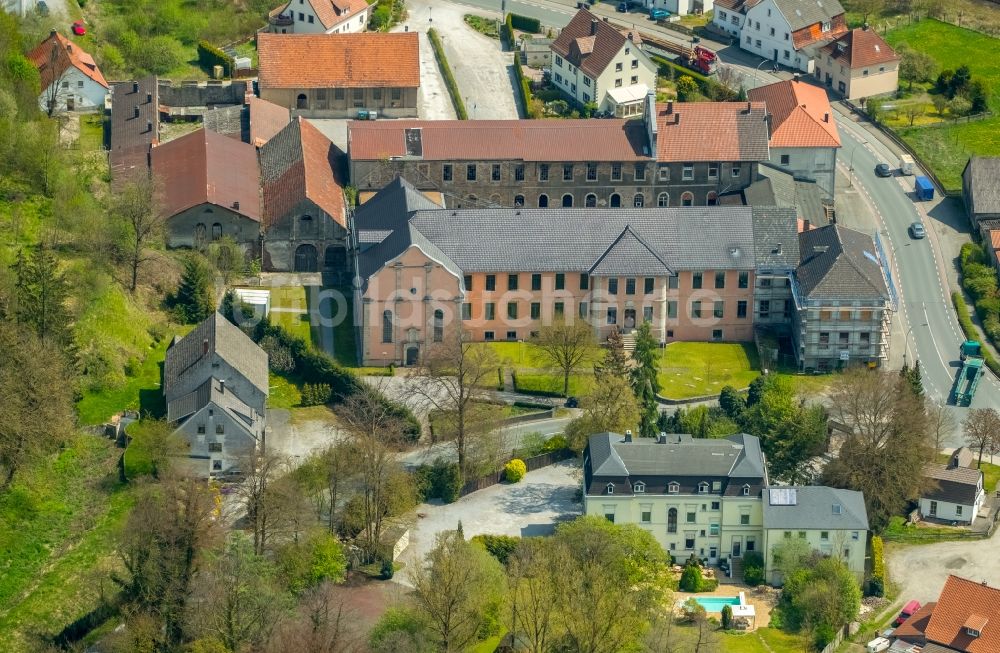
(753, 568)
(442, 480)
(525, 23)
(524, 89)
(555, 443)
(727, 617)
(449, 78)
(876, 586)
(210, 56)
(515, 470)
(691, 579)
(498, 546)
(969, 329)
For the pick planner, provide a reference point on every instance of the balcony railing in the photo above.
(280, 20)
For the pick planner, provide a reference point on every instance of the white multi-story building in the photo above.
(320, 17)
(788, 32)
(591, 58)
(70, 78)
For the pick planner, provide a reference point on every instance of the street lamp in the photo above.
(906, 343)
(764, 61)
(850, 167)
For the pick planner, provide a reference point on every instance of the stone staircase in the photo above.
(628, 342)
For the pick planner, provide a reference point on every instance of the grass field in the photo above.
(948, 147)
(695, 369)
(139, 392)
(57, 527)
(764, 640)
(534, 373)
(91, 131)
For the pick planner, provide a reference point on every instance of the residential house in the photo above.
(834, 522)
(981, 192)
(591, 57)
(956, 493)
(860, 64)
(964, 619)
(500, 274)
(335, 75)
(663, 160)
(320, 17)
(777, 257)
(215, 382)
(844, 299)
(803, 133)
(699, 496)
(789, 32)
(208, 187)
(304, 212)
(70, 78)
(254, 122)
(134, 127)
(679, 7)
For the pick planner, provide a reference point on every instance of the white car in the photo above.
(877, 644)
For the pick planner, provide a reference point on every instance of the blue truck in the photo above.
(923, 188)
(971, 355)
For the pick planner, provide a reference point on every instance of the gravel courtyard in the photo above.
(921, 570)
(534, 506)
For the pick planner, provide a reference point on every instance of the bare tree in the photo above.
(139, 221)
(340, 469)
(322, 623)
(56, 72)
(385, 489)
(270, 503)
(941, 421)
(982, 431)
(565, 345)
(456, 374)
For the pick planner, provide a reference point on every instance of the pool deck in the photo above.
(763, 603)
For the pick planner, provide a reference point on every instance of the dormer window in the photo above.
(971, 632)
(639, 487)
(611, 488)
(703, 487)
(673, 487)
(837, 508)
(746, 490)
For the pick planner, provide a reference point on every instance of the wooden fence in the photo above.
(533, 463)
(843, 633)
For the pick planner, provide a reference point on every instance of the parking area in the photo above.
(920, 571)
(534, 506)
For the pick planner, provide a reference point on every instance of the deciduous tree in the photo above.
(915, 66)
(534, 571)
(565, 345)
(610, 406)
(941, 422)
(982, 431)
(138, 221)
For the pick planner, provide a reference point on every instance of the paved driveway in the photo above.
(921, 571)
(534, 506)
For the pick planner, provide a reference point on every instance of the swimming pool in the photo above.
(715, 603)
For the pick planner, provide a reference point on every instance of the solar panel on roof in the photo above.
(414, 142)
(783, 496)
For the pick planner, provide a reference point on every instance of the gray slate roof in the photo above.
(982, 175)
(212, 391)
(776, 240)
(840, 264)
(813, 509)
(953, 484)
(630, 254)
(229, 121)
(803, 13)
(737, 456)
(226, 340)
(778, 188)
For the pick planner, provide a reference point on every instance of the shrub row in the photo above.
(498, 546)
(442, 480)
(876, 586)
(317, 369)
(210, 56)
(524, 23)
(449, 78)
(507, 33)
(969, 329)
(531, 109)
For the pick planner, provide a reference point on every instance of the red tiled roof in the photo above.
(206, 167)
(53, 56)
(590, 43)
(266, 120)
(519, 140)
(711, 131)
(960, 601)
(815, 34)
(995, 239)
(334, 12)
(362, 60)
(860, 48)
(801, 115)
(912, 630)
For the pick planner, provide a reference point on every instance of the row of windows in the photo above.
(388, 330)
(568, 171)
(673, 487)
(613, 283)
(219, 429)
(844, 338)
(699, 309)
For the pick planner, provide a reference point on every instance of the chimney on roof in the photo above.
(52, 32)
(865, 27)
(767, 121)
(670, 107)
(631, 36)
(593, 26)
(135, 87)
(606, 19)
(236, 205)
(204, 347)
(135, 112)
(222, 386)
(149, 98)
(826, 117)
(628, 435)
(677, 118)
(149, 125)
(749, 106)
(69, 47)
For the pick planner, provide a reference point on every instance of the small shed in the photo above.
(257, 298)
(536, 52)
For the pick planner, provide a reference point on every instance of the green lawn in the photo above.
(283, 393)
(947, 148)
(91, 132)
(776, 642)
(898, 531)
(695, 369)
(57, 528)
(534, 373)
(290, 310)
(139, 392)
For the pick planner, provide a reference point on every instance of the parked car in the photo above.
(906, 612)
(658, 14)
(917, 231)
(877, 645)
(572, 402)
(78, 28)
(623, 7)
(43, 8)
(883, 170)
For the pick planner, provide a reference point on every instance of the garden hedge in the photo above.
(525, 23)
(210, 56)
(969, 329)
(878, 580)
(449, 78)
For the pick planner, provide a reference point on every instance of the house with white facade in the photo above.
(320, 17)
(595, 62)
(680, 7)
(834, 522)
(70, 78)
(803, 135)
(789, 32)
(956, 493)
